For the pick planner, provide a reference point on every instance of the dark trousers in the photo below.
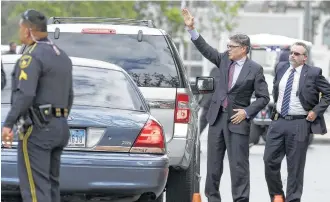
(290, 138)
(221, 139)
(39, 159)
(202, 120)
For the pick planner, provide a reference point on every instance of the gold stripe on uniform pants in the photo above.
(28, 165)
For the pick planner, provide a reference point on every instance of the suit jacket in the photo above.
(206, 99)
(311, 84)
(3, 77)
(251, 79)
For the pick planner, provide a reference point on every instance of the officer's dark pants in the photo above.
(39, 155)
(221, 139)
(290, 138)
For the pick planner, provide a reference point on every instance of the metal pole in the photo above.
(189, 67)
(308, 22)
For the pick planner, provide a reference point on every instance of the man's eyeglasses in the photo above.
(232, 46)
(296, 53)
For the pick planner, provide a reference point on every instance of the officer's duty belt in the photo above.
(291, 117)
(60, 112)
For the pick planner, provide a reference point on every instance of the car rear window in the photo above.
(149, 62)
(94, 87)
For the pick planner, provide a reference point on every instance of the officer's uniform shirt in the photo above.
(36, 79)
(295, 107)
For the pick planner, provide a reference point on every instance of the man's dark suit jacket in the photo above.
(311, 83)
(205, 102)
(3, 77)
(250, 79)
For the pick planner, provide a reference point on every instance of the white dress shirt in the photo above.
(295, 107)
(238, 68)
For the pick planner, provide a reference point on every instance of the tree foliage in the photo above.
(223, 15)
(166, 14)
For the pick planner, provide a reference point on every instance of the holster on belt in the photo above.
(24, 123)
(41, 114)
(274, 115)
(38, 116)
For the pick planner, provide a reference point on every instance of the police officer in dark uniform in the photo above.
(42, 97)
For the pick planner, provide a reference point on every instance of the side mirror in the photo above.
(205, 85)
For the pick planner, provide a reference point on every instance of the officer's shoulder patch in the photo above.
(25, 61)
(23, 75)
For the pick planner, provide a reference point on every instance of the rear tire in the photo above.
(181, 184)
(160, 198)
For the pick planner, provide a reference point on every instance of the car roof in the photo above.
(77, 61)
(120, 29)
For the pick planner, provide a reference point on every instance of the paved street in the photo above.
(317, 172)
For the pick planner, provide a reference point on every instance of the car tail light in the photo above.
(182, 110)
(150, 140)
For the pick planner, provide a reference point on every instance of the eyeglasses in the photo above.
(232, 46)
(296, 53)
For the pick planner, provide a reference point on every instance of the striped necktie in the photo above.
(287, 94)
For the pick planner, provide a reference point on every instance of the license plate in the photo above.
(77, 138)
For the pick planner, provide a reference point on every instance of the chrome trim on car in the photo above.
(147, 150)
(161, 104)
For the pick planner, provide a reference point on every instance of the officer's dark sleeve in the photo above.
(29, 70)
(3, 77)
(323, 86)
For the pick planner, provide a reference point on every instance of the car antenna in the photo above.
(140, 36)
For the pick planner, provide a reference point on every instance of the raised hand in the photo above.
(188, 19)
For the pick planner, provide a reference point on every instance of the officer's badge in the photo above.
(25, 61)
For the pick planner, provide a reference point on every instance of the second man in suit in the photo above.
(299, 112)
(230, 111)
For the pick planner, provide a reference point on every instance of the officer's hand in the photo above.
(188, 19)
(7, 137)
(238, 117)
(311, 116)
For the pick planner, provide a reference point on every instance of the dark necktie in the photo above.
(230, 82)
(287, 94)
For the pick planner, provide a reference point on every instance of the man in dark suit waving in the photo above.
(205, 102)
(299, 112)
(3, 77)
(230, 111)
